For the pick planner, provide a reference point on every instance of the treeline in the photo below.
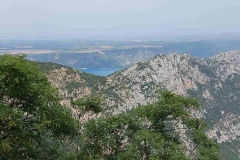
(34, 125)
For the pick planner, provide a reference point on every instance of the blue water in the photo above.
(100, 71)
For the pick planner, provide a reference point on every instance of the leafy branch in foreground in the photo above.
(34, 125)
(29, 112)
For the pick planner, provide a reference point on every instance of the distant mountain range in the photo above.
(114, 53)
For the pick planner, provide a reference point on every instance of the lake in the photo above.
(100, 71)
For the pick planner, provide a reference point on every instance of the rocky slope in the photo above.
(72, 84)
(214, 81)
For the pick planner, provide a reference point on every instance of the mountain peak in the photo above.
(227, 56)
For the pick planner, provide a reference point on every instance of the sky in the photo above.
(44, 19)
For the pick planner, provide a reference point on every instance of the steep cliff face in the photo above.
(140, 83)
(214, 81)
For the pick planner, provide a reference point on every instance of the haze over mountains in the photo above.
(138, 49)
(116, 53)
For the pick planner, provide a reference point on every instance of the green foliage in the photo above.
(105, 138)
(203, 68)
(91, 81)
(148, 132)
(46, 67)
(143, 65)
(89, 103)
(29, 109)
(229, 150)
(73, 85)
(33, 124)
(207, 149)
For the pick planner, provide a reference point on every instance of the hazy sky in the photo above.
(79, 18)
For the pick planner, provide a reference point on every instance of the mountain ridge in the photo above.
(214, 81)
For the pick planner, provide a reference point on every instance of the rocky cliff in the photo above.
(214, 81)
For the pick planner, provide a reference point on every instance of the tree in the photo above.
(105, 138)
(87, 104)
(170, 115)
(149, 132)
(30, 112)
(34, 125)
